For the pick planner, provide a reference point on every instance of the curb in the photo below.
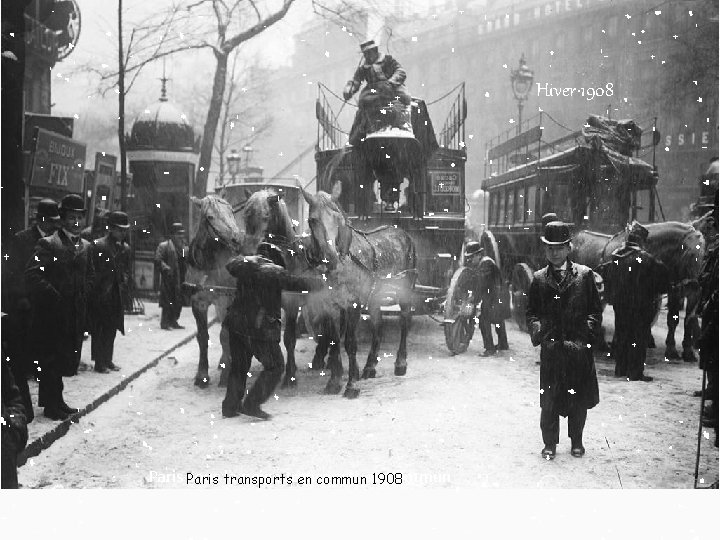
(45, 441)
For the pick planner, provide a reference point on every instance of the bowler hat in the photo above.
(47, 209)
(550, 216)
(637, 232)
(72, 202)
(118, 219)
(471, 248)
(177, 228)
(367, 46)
(557, 233)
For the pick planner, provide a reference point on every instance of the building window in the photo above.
(530, 205)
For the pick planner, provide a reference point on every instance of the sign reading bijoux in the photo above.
(58, 162)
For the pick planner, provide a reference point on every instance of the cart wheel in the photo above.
(459, 311)
(489, 243)
(521, 278)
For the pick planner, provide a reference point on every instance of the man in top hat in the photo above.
(547, 218)
(59, 277)
(563, 314)
(489, 290)
(16, 301)
(170, 260)
(634, 279)
(111, 261)
(385, 80)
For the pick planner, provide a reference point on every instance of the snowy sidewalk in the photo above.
(142, 346)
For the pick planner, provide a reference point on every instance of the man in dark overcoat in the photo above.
(111, 262)
(170, 261)
(634, 279)
(384, 78)
(16, 299)
(59, 277)
(564, 312)
(253, 321)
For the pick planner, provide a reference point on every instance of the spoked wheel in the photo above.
(521, 278)
(459, 323)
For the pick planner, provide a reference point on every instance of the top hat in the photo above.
(367, 46)
(177, 228)
(471, 248)
(637, 232)
(550, 216)
(47, 209)
(72, 202)
(118, 219)
(557, 233)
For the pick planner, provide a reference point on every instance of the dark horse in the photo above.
(367, 270)
(681, 248)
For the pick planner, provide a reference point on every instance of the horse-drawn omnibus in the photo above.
(402, 175)
(589, 178)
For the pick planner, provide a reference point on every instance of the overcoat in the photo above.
(385, 69)
(21, 248)
(492, 292)
(111, 262)
(59, 277)
(171, 266)
(255, 312)
(563, 315)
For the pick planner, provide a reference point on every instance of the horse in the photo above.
(216, 240)
(368, 269)
(681, 248)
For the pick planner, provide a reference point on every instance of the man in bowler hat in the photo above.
(111, 262)
(59, 277)
(170, 261)
(563, 314)
(16, 301)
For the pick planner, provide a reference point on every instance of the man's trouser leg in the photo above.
(240, 359)
(270, 356)
(549, 425)
(51, 385)
(486, 333)
(105, 345)
(637, 348)
(576, 423)
(622, 341)
(502, 335)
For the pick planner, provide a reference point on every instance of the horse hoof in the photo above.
(368, 373)
(351, 393)
(289, 383)
(400, 370)
(202, 382)
(688, 355)
(333, 388)
(671, 353)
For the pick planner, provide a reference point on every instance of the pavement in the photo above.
(141, 348)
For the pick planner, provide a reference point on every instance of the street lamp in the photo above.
(248, 151)
(233, 162)
(521, 79)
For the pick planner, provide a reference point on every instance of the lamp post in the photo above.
(233, 162)
(521, 79)
(248, 152)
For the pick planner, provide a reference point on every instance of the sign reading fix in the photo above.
(58, 162)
